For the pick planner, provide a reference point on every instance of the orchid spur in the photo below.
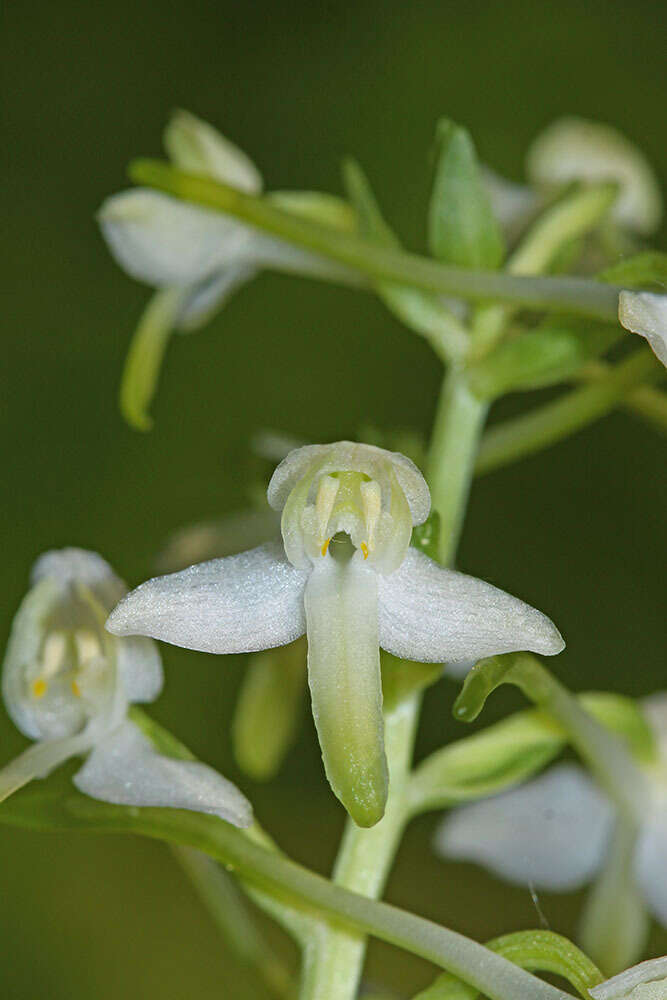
(197, 258)
(68, 685)
(346, 575)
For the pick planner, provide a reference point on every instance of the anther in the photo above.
(325, 547)
(364, 549)
(39, 688)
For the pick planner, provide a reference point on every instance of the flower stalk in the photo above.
(571, 294)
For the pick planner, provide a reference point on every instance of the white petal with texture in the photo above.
(651, 974)
(348, 456)
(140, 667)
(239, 604)
(646, 314)
(163, 241)
(345, 684)
(437, 615)
(126, 770)
(551, 832)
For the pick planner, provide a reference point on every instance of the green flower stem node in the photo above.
(462, 229)
(269, 708)
(538, 950)
(579, 295)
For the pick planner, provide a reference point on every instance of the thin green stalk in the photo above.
(457, 428)
(334, 965)
(646, 401)
(570, 294)
(548, 424)
(491, 974)
(222, 898)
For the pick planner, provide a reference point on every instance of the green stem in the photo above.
(491, 974)
(548, 424)
(578, 295)
(222, 898)
(333, 966)
(458, 425)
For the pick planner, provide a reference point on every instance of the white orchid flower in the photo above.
(646, 981)
(196, 257)
(555, 832)
(573, 149)
(645, 313)
(346, 575)
(68, 684)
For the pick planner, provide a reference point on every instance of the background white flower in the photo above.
(557, 831)
(68, 684)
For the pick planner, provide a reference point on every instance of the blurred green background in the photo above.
(578, 531)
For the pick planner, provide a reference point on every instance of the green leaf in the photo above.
(641, 270)
(422, 311)
(461, 227)
(269, 708)
(535, 951)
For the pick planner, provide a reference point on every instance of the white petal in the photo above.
(239, 604)
(210, 295)
(651, 865)
(80, 566)
(574, 149)
(163, 241)
(345, 683)
(126, 770)
(197, 147)
(39, 760)
(621, 987)
(646, 314)
(25, 642)
(551, 833)
(140, 668)
(348, 456)
(437, 615)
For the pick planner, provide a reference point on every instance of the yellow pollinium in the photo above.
(39, 688)
(325, 547)
(364, 549)
(76, 690)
